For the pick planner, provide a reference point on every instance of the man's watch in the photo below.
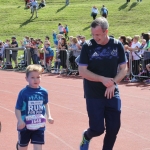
(114, 82)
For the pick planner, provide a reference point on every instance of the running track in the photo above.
(69, 112)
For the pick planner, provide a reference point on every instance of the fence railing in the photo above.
(27, 53)
(65, 60)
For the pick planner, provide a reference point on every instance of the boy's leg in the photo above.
(37, 138)
(23, 139)
(22, 148)
(37, 147)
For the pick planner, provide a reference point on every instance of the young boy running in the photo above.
(30, 110)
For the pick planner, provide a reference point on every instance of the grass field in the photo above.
(124, 18)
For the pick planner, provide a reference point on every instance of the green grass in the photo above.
(124, 19)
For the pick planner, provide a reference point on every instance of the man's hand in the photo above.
(109, 93)
(108, 82)
(21, 124)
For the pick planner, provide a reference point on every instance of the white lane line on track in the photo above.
(141, 111)
(60, 140)
(46, 82)
(127, 95)
(46, 130)
(136, 134)
(80, 97)
(69, 109)
(7, 109)
(71, 146)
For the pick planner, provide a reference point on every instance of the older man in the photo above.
(99, 60)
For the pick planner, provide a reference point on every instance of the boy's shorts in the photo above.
(36, 137)
(49, 59)
(41, 56)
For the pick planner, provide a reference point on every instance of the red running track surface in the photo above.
(69, 112)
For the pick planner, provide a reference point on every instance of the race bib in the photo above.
(34, 122)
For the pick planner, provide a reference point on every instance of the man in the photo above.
(104, 11)
(14, 44)
(98, 65)
(67, 2)
(34, 6)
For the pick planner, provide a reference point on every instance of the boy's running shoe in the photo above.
(84, 144)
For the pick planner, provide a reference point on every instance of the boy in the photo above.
(31, 106)
(49, 54)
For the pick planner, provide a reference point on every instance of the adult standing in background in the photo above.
(14, 44)
(94, 12)
(99, 60)
(67, 2)
(104, 11)
(60, 28)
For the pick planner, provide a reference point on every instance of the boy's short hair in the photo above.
(47, 37)
(32, 68)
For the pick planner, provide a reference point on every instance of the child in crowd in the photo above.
(55, 40)
(41, 52)
(30, 110)
(66, 32)
(57, 62)
(136, 59)
(49, 53)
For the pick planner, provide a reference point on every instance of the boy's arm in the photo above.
(48, 114)
(21, 123)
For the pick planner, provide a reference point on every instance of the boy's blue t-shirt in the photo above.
(31, 101)
(51, 52)
(54, 36)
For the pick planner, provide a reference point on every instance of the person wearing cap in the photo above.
(14, 44)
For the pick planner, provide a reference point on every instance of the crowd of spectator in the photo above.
(66, 50)
(52, 59)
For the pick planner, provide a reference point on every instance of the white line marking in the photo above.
(46, 130)
(80, 97)
(136, 134)
(8, 109)
(68, 144)
(60, 140)
(69, 109)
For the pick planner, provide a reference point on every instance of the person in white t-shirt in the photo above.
(94, 12)
(135, 46)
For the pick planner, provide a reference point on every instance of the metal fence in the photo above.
(66, 62)
(137, 68)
